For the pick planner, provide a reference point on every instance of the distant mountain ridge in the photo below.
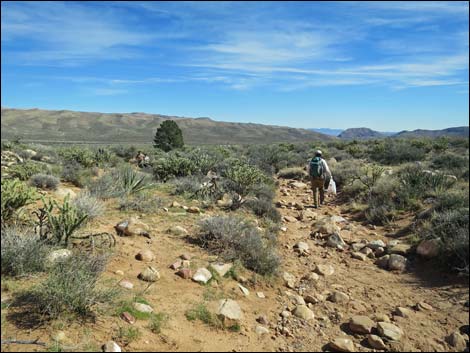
(360, 133)
(459, 131)
(327, 131)
(89, 127)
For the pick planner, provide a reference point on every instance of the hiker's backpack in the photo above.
(316, 167)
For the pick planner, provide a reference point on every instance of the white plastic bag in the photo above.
(331, 187)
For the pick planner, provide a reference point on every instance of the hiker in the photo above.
(319, 173)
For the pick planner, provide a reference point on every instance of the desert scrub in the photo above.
(81, 155)
(235, 239)
(292, 173)
(243, 177)
(144, 202)
(44, 181)
(127, 335)
(72, 287)
(201, 313)
(88, 205)
(15, 195)
(187, 185)
(157, 322)
(22, 251)
(263, 208)
(26, 170)
(76, 174)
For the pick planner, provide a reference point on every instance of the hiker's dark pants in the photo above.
(318, 189)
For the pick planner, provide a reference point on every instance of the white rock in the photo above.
(143, 308)
(111, 346)
(202, 275)
(221, 268)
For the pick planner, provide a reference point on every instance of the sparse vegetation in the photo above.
(44, 181)
(88, 205)
(15, 195)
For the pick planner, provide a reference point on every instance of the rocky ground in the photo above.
(343, 286)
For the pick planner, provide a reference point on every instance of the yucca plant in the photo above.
(132, 181)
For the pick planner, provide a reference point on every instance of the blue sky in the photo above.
(389, 66)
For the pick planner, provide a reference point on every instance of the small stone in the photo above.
(283, 229)
(244, 290)
(359, 255)
(285, 314)
(423, 306)
(202, 275)
(59, 336)
(303, 312)
(312, 277)
(186, 264)
(175, 204)
(184, 273)
(194, 209)
(119, 273)
(128, 317)
(178, 230)
(262, 320)
(397, 262)
(176, 265)
(342, 345)
(379, 252)
(358, 246)
(301, 247)
(221, 269)
(111, 346)
(338, 297)
(150, 274)
(457, 341)
(310, 299)
(260, 330)
(126, 284)
(376, 244)
(229, 311)
(325, 270)
(389, 331)
(289, 280)
(260, 295)
(186, 257)
(381, 318)
(400, 249)
(366, 251)
(403, 312)
(143, 308)
(429, 248)
(376, 342)
(145, 255)
(290, 219)
(335, 241)
(382, 262)
(361, 324)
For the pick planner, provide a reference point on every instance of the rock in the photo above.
(297, 299)
(358, 247)
(290, 219)
(119, 273)
(143, 308)
(376, 342)
(311, 277)
(132, 227)
(325, 270)
(376, 244)
(194, 209)
(175, 204)
(111, 346)
(260, 295)
(298, 185)
(325, 226)
(379, 252)
(310, 299)
(225, 202)
(289, 280)
(423, 306)
(284, 229)
(202, 275)
(244, 290)
(429, 248)
(285, 314)
(359, 255)
(145, 255)
(221, 269)
(361, 324)
(303, 312)
(58, 255)
(457, 341)
(176, 265)
(178, 230)
(403, 312)
(186, 264)
(335, 241)
(389, 331)
(229, 312)
(381, 318)
(400, 249)
(340, 344)
(128, 318)
(260, 330)
(367, 251)
(397, 262)
(184, 273)
(301, 247)
(30, 153)
(338, 219)
(338, 297)
(126, 284)
(150, 274)
(382, 262)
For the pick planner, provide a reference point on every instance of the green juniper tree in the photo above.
(168, 136)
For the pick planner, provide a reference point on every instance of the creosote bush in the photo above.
(88, 205)
(44, 181)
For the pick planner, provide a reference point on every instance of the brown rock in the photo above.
(342, 345)
(361, 324)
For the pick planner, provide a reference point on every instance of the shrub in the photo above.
(126, 335)
(292, 173)
(23, 253)
(233, 239)
(173, 166)
(74, 173)
(26, 170)
(88, 205)
(44, 181)
(72, 286)
(168, 136)
(187, 185)
(83, 156)
(15, 195)
(263, 208)
(243, 177)
(157, 321)
(143, 202)
(397, 151)
(200, 312)
(123, 151)
(63, 223)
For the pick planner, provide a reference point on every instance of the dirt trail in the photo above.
(372, 291)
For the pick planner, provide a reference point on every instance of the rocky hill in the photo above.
(460, 131)
(360, 133)
(70, 126)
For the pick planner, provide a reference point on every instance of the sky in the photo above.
(389, 66)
